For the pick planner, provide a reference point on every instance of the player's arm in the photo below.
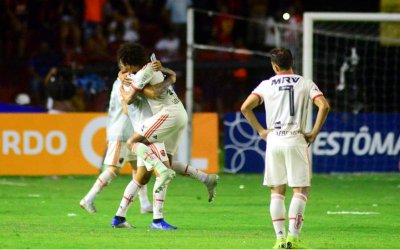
(128, 93)
(249, 104)
(323, 110)
(156, 90)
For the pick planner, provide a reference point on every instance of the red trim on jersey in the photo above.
(278, 220)
(136, 88)
(259, 98)
(155, 150)
(155, 126)
(317, 96)
(293, 218)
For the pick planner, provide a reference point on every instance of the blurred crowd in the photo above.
(45, 42)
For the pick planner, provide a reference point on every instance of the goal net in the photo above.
(355, 58)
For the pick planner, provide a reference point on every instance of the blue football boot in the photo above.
(162, 225)
(120, 222)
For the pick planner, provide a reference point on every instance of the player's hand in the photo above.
(310, 137)
(122, 75)
(264, 133)
(156, 65)
(127, 94)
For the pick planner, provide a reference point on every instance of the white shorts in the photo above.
(158, 149)
(117, 154)
(165, 126)
(287, 162)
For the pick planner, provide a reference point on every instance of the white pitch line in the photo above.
(352, 212)
(10, 183)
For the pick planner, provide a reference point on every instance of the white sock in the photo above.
(185, 169)
(158, 202)
(149, 157)
(129, 195)
(143, 197)
(296, 213)
(102, 181)
(278, 211)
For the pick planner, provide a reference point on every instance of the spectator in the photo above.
(176, 11)
(223, 26)
(17, 15)
(60, 91)
(69, 25)
(256, 28)
(93, 17)
(39, 66)
(168, 47)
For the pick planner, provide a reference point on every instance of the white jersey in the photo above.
(119, 125)
(147, 76)
(169, 115)
(286, 99)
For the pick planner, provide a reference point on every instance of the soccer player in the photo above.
(166, 125)
(119, 129)
(286, 97)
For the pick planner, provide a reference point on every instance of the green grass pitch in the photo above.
(43, 212)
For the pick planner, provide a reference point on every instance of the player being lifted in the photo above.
(165, 125)
(119, 129)
(286, 97)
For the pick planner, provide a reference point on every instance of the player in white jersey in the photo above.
(286, 97)
(119, 129)
(165, 125)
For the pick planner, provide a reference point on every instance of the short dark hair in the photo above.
(282, 57)
(132, 54)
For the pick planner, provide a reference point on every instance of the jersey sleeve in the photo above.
(314, 91)
(143, 77)
(258, 91)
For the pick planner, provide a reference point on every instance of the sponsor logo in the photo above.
(358, 143)
(32, 142)
(285, 79)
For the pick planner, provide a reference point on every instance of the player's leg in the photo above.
(145, 205)
(130, 193)
(145, 153)
(171, 138)
(159, 197)
(299, 178)
(113, 160)
(278, 212)
(209, 180)
(275, 178)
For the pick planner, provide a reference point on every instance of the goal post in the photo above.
(375, 142)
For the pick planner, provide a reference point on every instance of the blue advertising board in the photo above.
(347, 143)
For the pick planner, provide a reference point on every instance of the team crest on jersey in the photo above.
(155, 137)
(162, 152)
